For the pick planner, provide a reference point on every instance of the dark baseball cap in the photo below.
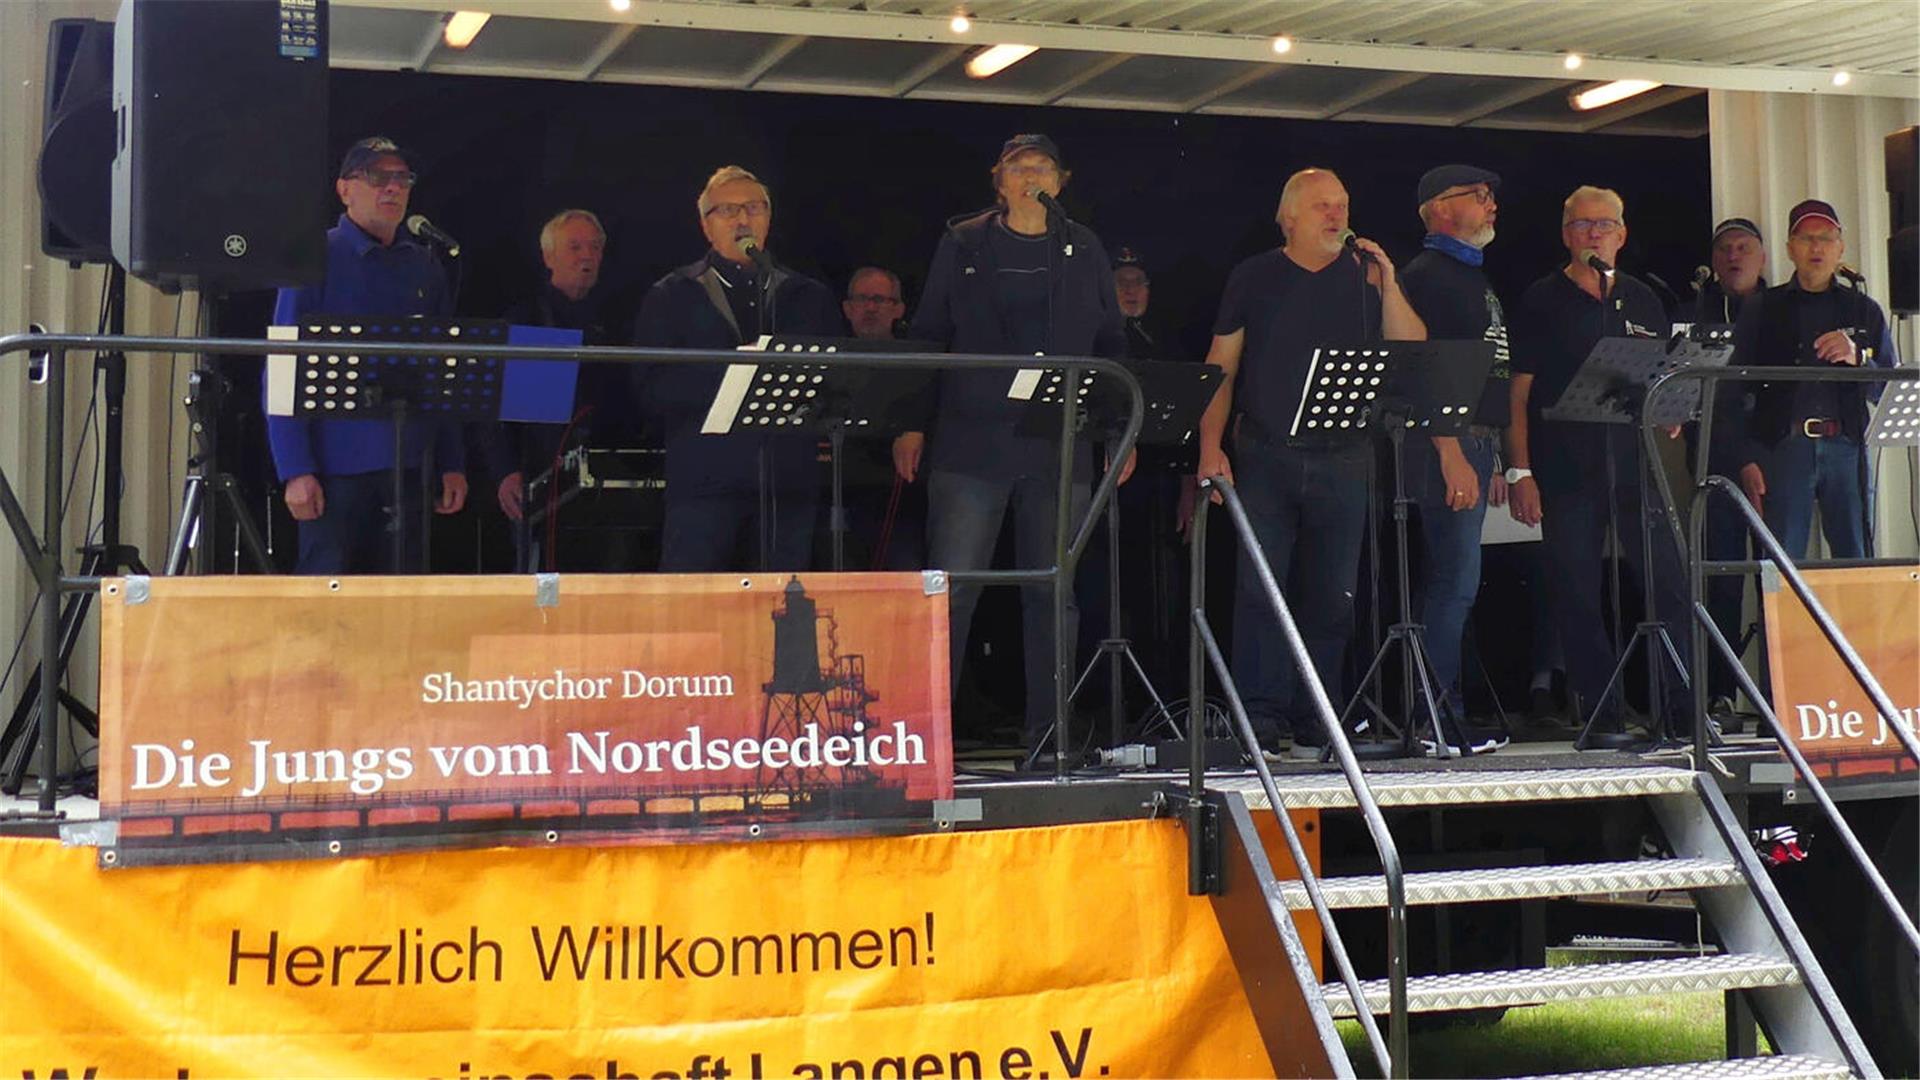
(1811, 208)
(1129, 257)
(1441, 177)
(369, 150)
(1736, 224)
(1033, 142)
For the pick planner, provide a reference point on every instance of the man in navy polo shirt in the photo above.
(1804, 440)
(1306, 499)
(337, 474)
(1560, 477)
(1445, 475)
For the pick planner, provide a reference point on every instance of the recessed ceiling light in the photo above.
(620, 5)
(991, 62)
(960, 24)
(464, 27)
(1608, 93)
(1842, 78)
(1283, 43)
(1573, 61)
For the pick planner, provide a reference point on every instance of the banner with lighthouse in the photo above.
(262, 711)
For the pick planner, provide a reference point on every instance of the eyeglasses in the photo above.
(727, 211)
(1033, 169)
(872, 298)
(1815, 239)
(1481, 196)
(1595, 226)
(380, 178)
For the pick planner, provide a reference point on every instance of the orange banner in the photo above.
(1819, 703)
(1049, 952)
(694, 699)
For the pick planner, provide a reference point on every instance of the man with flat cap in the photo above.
(1805, 440)
(336, 475)
(1447, 475)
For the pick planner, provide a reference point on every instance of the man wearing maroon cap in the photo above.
(1804, 441)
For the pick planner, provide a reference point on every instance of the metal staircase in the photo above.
(1765, 957)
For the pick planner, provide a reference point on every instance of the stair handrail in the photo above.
(1389, 1053)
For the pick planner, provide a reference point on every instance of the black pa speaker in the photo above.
(76, 144)
(220, 126)
(1903, 247)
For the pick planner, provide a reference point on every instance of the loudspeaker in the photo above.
(1903, 247)
(76, 145)
(220, 124)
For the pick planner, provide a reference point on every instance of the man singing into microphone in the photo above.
(1559, 477)
(337, 474)
(1804, 441)
(745, 499)
(1016, 279)
(1306, 497)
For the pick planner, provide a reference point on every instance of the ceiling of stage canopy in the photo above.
(1450, 63)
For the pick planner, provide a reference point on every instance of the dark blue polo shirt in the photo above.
(363, 278)
(1288, 311)
(1556, 325)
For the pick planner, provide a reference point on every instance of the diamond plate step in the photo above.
(1440, 787)
(1586, 982)
(1780, 1067)
(1521, 883)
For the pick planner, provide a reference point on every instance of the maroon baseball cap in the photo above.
(1811, 208)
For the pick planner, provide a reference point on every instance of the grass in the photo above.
(1575, 1037)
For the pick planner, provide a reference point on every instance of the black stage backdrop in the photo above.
(858, 181)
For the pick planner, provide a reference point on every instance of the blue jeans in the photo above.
(355, 534)
(1308, 508)
(964, 513)
(1449, 576)
(1831, 472)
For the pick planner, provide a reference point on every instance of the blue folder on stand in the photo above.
(540, 391)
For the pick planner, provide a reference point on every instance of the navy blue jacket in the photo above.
(678, 313)
(971, 419)
(363, 278)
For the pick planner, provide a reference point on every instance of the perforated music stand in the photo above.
(1610, 387)
(1896, 422)
(329, 378)
(790, 394)
(1430, 388)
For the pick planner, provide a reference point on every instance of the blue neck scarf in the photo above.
(1459, 249)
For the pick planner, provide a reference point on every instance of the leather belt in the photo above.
(1814, 427)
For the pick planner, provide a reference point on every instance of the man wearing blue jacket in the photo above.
(746, 499)
(1010, 280)
(337, 474)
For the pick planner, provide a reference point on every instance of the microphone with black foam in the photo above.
(1599, 265)
(1701, 275)
(750, 247)
(1054, 209)
(419, 226)
(1351, 241)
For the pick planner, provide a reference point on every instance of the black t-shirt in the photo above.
(1023, 285)
(1287, 311)
(1556, 325)
(1457, 304)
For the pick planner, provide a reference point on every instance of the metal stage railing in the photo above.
(50, 572)
(1389, 1053)
(1705, 631)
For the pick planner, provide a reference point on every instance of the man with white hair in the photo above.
(744, 500)
(1306, 497)
(1563, 475)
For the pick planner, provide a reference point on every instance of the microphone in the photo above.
(1701, 275)
(1351, 242)
(419, 226)
(1052, 204)
(1599, 264)
(750, 246)
(1848, 272)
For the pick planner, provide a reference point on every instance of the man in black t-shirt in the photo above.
(1445, 475)
(1306, 497)
(1560, 477)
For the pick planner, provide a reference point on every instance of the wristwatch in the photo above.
(1515, 475)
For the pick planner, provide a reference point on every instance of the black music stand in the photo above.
(1896, 422)
(327, 378)
(1610, 388)
(787, 393)
(1430, 388)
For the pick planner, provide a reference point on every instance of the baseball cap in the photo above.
(369, 150)
(1129, 257)
(1033, 142)
(1441, 177)
(1736, 224)
(1811, 208)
